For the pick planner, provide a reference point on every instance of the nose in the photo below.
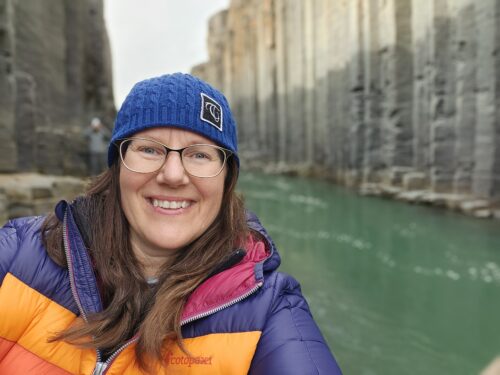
(173, 173)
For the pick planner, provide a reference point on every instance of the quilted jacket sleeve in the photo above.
(291, 342)
(8, 248)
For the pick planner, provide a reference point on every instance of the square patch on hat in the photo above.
(211, 111)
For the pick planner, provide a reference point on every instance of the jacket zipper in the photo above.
(70, 268)
(101, 367)
(222, 307)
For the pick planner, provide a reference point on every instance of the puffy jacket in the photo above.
(246, 319)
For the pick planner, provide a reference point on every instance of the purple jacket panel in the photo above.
(23, 255)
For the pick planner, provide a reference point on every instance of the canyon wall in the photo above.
(55, 75)
(393, 95)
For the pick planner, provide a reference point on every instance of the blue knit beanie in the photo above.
(178, 100)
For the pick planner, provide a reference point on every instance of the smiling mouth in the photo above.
(171, 205)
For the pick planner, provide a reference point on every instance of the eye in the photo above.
(148, 150)
(200, 153)
(198, 156)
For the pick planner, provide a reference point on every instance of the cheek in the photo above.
(213, 197)
(128, 187)
(124, 188)
(130, 182)
(218, 200)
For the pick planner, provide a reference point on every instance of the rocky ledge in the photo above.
(27, 194)
(409, 187)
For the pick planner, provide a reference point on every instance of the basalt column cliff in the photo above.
(55, 75)
(391, 96)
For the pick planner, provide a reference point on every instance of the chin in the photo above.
(172, 245)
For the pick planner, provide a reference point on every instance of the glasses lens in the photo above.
(142, 155)
(203, 160)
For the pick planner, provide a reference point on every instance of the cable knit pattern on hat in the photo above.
(176, 100)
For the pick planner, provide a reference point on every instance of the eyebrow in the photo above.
(191, 142)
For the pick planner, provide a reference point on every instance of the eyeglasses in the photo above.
(144, 155)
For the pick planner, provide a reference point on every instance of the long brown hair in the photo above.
(131, 306)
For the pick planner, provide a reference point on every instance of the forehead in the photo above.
(169, 135)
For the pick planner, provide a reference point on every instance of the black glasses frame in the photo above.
(227, 153)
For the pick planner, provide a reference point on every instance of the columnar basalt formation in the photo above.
(55, 75)
(392, 96)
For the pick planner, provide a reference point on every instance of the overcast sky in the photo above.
(153, 37)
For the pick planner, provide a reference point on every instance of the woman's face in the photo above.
(155, 231)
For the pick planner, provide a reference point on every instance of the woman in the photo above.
(157, 269)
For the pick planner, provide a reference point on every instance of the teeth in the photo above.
(171, 204)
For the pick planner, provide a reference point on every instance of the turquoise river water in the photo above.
(396, 289)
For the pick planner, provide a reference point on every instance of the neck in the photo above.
(151, 260)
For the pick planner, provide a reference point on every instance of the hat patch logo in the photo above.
(211, 111)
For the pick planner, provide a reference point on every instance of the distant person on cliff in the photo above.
(98, 138)
(158, 268)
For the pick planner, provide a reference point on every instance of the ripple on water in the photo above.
(488, 273)
(408, 231)
(342, 238)
(263, 195)
(276, 196)
(307, 200)
(281, 185)
(452, 256)
(453, 275)
(386, 259)
(350, 240)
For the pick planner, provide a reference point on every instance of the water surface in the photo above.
(396, 289)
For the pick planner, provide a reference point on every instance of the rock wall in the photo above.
(55, 75)
(394, 95)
